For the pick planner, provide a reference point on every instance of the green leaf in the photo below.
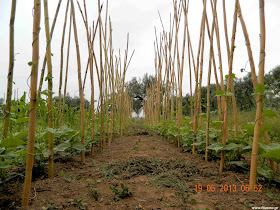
(266, 127)
(9, 155)
(19, 134)
(198, 144)
(48, 78)
(269, 113)
(204, 115)
(191, 100)
(22, 120)
(272, 155)
(238, 163)
(79, 146)
(250, 129)
(52, 130)
(62, 147)
(265, 171)
(30, 63)
(231, 146)
(5, 165)
(216, 123)
(269, 93)
(45, 92)
(229, 94)
(220, 93)
(217, 147)
(261, 88)
(11, 142)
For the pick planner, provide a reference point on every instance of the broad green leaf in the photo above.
(270, 93)
(247, 148)
(191, 100)
(204, 115)
(198, 144)
(216, 123)
(269, 147)
(5, 165)
(220, 93)
(217, 147)
(250, 129)
(265, 171)
(52, 130)
(22, 120)
(11, 142)
(63, 146)
(261, 88)
(269, 113)
(231, 146)
(266, 127)
(229, 94)
(232, 76)
(238, 163)
(9, 155)
(272, 155)
(19, 134)
(79, 146)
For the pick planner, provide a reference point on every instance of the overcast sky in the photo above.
(138, 18)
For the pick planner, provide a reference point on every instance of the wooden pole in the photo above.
(32, 113)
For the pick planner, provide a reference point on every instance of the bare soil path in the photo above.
(159, 176)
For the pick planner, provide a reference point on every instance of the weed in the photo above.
(185, 197)
(77, 202)
(273, 196)
(94, 163)
(71, 178)
(155, 145)
(124, 193)
(95, 194)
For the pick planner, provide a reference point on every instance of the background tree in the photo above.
(137, 89)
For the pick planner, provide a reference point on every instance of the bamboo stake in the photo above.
(253, 72)
(232, 87)
(61, 67)
(102, 131)
(209, 79)
(66, 73)
(45, 58)
(7, 108)
(259, 112)
(81, 93)
(10, 72)
(229, 85)
(50, 108)
(32, 113)
(196, 103)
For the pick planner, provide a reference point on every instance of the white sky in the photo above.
(137, 18)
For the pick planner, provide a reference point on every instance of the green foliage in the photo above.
(124, 193)
(78, 202)
(273, 155)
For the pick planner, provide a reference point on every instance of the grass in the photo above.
(245, 117)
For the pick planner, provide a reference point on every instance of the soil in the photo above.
(154, 174)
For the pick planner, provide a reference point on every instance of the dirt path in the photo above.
(158, 175)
